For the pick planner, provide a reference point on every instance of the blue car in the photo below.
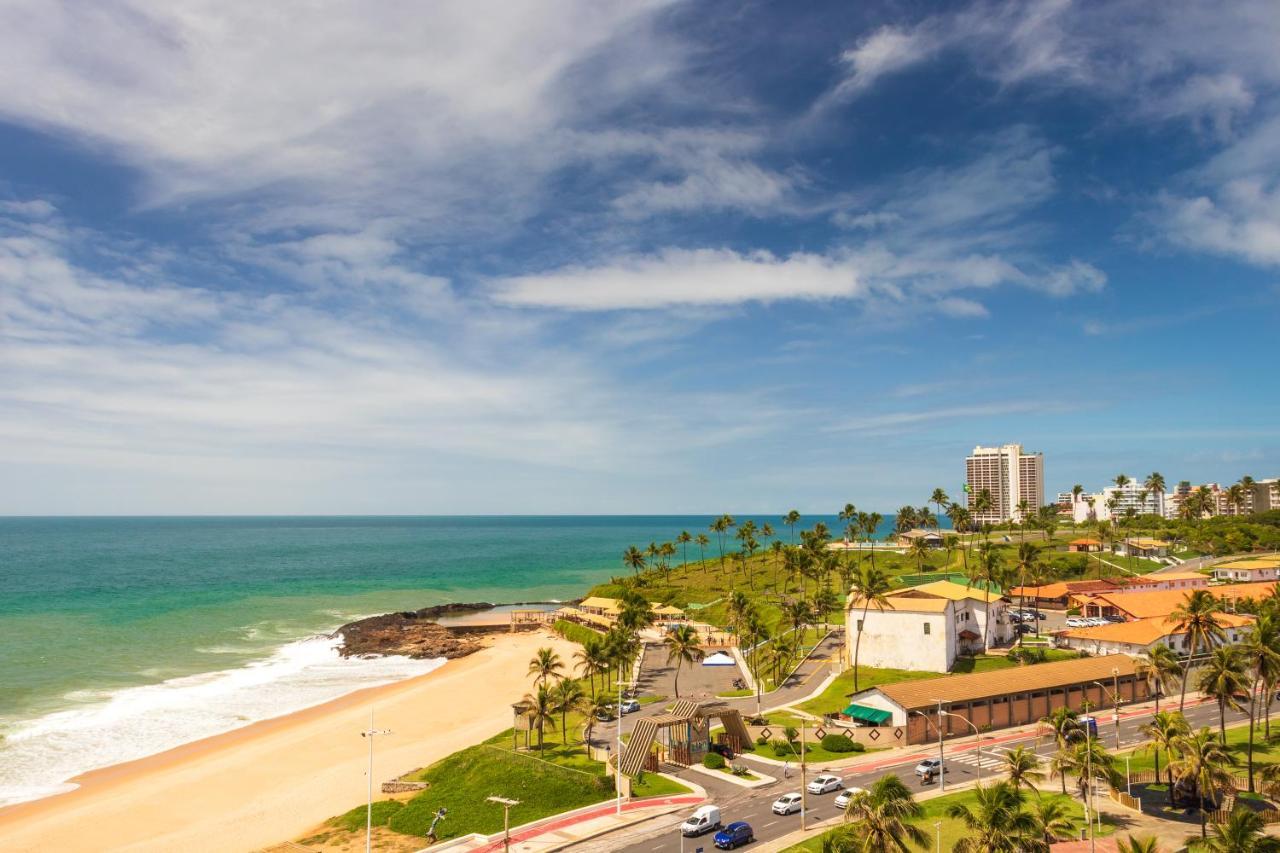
(734, 835)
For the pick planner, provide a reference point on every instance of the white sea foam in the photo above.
(37, 756)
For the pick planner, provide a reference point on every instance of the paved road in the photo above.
(963, 765)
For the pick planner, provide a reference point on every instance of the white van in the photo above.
(704, 819)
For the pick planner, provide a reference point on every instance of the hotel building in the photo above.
(1010, 475)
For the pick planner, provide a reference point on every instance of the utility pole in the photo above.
(617, 764)
(942, 762)
(370, 734)
(804, 796)
(506, 818)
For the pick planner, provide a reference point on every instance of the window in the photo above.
(859, 628)
(927, 628)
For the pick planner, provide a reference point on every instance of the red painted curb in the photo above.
(554, 824)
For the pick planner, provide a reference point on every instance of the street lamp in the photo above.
(942, 763)
(617, 762)
(506, 818)
(370, 734)
(1115, 699)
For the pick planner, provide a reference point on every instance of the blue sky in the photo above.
(590, 256)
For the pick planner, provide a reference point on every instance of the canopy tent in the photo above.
(719, 659)
(867, 714)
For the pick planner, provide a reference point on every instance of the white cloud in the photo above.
(885, 51)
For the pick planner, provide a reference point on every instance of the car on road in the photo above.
(1025, 629)
(734, 835)
(846, 796)
(629, 706)
(825, 784)
(788, 804)
(928, 765)
(703, 820)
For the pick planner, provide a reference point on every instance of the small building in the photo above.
(1001, 698)
(1140, 636)
(1059, 595)
(926, 627)
(1249, 569)
(599, 606)
(931, 538)
(1145, 605)
(1084, 545)
(1141, 546)
(1166, 580)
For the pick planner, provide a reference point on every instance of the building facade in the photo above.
(1011, 475)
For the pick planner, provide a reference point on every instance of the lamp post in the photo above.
(370, 734)
(506, 818)
(937, 828)
(804, 799)
(617, 762)
(942, 764)
(1115, 700)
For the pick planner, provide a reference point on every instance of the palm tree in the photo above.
(990, 566)
(1028, 564)
(1196, 618)
(791, 519)
(870, 529)
(983, 504)
(703, 542)
(996, 823)
(540, 708)
(719, 527)
(569, 696)
(940, 500)
(1053, 819)
(870, 586)
(546, 664)
(683, 541)
(595, 708)
(884, 817)
(1242, 832)
(919, 549)
(683, 646)
(740, 607)
(1223, 679)
(1204, 763)
(950, 543)
(1161, 667)
(1022, 766)
(633, 558)
(1261, 648)
(593, 659)
(1138, 844)
(1163, 732)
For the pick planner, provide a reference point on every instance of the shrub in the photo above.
(791, 733)
(782, 749)
(838, 743)
(762, 741)
(713, 761)
(859, 747)
(741, 770)
(1073, 611)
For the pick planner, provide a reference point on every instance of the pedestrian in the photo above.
(786, 769)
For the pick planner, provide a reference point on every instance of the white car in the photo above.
(846, 796)
(928, 765)
(787, 804)
(825, 785)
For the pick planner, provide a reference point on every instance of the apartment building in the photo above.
(1011, 475)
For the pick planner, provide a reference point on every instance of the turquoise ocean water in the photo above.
(120, 637)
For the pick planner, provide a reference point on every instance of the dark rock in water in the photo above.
(413, 634)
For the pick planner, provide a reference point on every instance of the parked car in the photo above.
(629, 706)
(703, 820)
(787, 804)
(605, 714)
(825, 785)
(846, 796)
(1025, 629)
(734, 835)
(722, 749)
(928, 765)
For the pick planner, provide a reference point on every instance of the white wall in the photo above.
(896, 639)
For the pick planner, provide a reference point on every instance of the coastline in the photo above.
(277, 778)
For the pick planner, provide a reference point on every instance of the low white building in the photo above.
(1249, 569)
(925, 628)
(1133, 495)
(1141, 635)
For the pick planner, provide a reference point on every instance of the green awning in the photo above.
(874, 716)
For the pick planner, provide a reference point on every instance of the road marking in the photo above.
(769, 824)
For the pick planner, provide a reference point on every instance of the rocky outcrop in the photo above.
(414, 634)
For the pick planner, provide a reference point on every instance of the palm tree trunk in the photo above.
(1222, 721)
(1253, 705)
(677, 679)
(857, 646)
(1186, 670)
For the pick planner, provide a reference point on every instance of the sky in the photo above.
(587, 256)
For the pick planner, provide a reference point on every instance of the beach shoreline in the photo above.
(274, 779)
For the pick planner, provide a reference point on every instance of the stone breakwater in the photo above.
(413, 634)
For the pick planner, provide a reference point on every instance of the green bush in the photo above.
(859, 747)
(1073, 611)
(713, 761)
(782, 749)
(838, 743)
(762, 741)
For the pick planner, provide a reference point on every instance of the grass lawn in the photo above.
(574, 632)
(836, 697)
(1264, 752)
(952, 829)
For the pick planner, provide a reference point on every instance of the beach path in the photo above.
(277, 779)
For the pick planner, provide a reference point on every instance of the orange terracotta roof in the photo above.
(904, 604)
(1083, 541)
(1162, 602)
(924, 693)
(1144, 632)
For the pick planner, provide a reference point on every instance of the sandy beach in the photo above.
(274, 780)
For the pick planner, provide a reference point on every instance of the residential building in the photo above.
(1145, 605)
(931, 538)
(1132, 496)
(1011, 476)
(1001, 698)
(1084, 545)
(1249, 570)
(1266, 495)
(1141, 546)
(1141, 635)
(926, 627)
(1057, 595)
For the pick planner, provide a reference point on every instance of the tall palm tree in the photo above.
(870, 529)
(950, 543)
(1204, 763)
(1022, 767)
(1160, 668)
(569, 696)
(740, 608)
(683, 647)
(546, 664)
(1223, 679)
(996, 823)
(703, 542)
(540, 708)
(633, 558)
(596, 708)
(1242, 832)
(791, 519)
(1197, 618)
(884, 818)
(1053, 819)
(720, 527)
(683, 541)
(1028, 564)
(1163, 732)
(940, 500)
(983, 504)
(919, 549)
(870, 587)
(1261, 650)
(990, 567)
(593, 660)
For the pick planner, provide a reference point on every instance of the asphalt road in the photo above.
(754, 805)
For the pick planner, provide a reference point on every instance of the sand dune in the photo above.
(275, 780)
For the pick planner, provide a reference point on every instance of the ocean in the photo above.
(122, 637)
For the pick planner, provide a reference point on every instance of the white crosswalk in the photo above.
(991, 758)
